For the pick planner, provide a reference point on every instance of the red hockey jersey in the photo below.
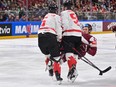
(91, 48)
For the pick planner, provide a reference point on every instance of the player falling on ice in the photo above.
(91, 46)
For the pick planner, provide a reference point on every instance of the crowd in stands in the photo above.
(98, 9)
(34, 10)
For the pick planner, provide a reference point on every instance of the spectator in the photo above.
(23, 17)
(10, 18)
(17, 18)
(81, 7)
(5, 17)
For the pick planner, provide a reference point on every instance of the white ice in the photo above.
(22, 65)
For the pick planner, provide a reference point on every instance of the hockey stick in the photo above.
(89, 62)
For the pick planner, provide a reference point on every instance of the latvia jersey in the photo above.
(70, 24)
(51, 24)
(90, 49)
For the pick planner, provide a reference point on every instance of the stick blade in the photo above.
(104, 71)
(107, 69)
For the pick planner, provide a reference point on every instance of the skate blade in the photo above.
(73, 79)
(59, 82)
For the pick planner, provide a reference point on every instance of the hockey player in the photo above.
(49, 34)
(71, 37)
(91, 47)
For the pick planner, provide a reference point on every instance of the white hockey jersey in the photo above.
(52, 24)
(70, 24)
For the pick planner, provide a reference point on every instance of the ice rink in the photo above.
(22, 65)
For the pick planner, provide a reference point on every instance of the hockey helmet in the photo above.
(88, 26)
(53, 8)
(67, 4)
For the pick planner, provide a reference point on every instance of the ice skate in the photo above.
(72, 74)
(58, 78)
(49, 67)
(51, 72)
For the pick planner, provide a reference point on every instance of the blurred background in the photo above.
(34, 10)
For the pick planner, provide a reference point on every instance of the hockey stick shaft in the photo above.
(87, 60)
(90, 64)
(101, 71)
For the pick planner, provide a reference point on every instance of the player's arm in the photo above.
(92, 47)
(84, 41)
(83, 50)
(58, 27)
(65, 20)
(83, 47)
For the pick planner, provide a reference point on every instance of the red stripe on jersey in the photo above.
(72, 30)
(47, 29)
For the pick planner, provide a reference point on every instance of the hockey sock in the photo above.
(72, 61)
(56, 67)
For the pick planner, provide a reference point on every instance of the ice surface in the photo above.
(22, 65)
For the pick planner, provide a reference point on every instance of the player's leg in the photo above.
(71, 61)
(43, 44)
(49, 65)
(54, 50)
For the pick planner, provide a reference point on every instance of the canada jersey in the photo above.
(70, 23)
(90, 49)
(52, 24)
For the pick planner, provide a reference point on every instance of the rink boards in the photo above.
(12, 30)
(34, 36)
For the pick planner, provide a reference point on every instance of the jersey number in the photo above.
(44, 21)
(74, 18)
